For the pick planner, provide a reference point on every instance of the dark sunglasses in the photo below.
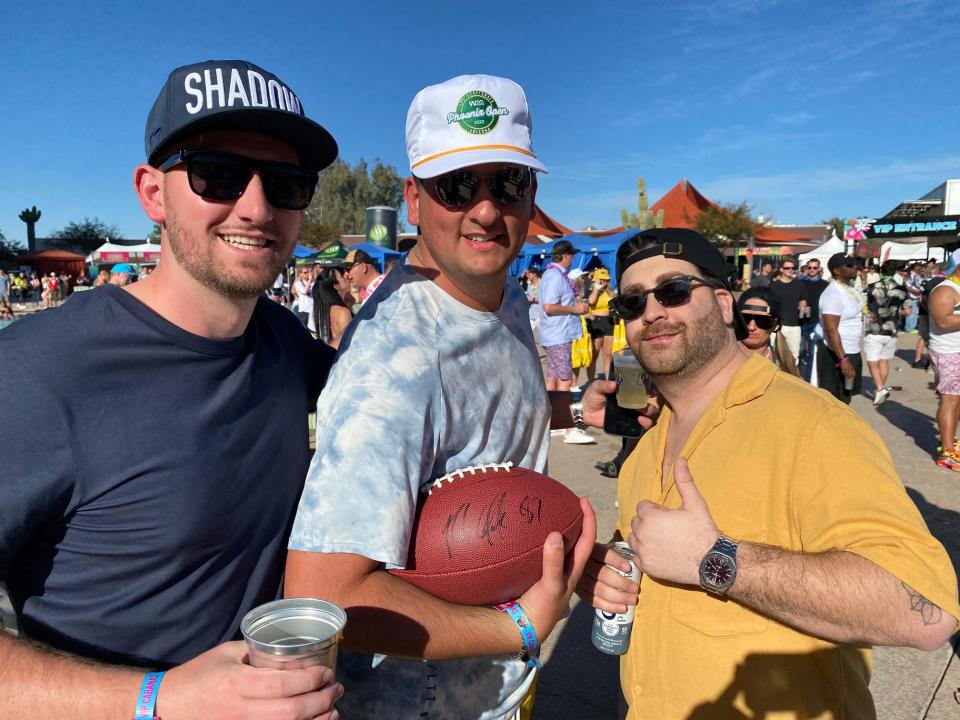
(670, 293)
(224, 176)
(788, 267)
(458, 188)
(764, 322)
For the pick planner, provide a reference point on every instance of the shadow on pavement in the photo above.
(579, 681)
(944, 524)
(918, 426)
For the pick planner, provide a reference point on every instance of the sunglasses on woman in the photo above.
(458, 188)
(670, 293)
(215, 175)
(763, 322)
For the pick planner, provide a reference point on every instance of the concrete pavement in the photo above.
(580, 683)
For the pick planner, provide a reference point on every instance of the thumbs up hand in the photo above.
(671, 543)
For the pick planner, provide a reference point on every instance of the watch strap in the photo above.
(726, 546)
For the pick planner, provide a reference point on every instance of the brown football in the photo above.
(479, 533)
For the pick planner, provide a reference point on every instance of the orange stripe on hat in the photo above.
(474, 147)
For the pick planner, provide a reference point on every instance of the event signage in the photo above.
(893, 227)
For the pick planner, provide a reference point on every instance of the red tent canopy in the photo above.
(543, 224)
(683, 203)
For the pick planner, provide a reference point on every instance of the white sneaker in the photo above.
(558, 433)
(881, 397)
(576, 436)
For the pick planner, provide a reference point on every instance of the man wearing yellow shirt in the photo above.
(775, 539)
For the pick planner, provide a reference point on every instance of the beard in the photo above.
(697, 344)
(195, 255)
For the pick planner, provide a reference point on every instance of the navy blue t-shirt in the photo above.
(150, 476)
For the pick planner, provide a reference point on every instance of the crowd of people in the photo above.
(133, 551)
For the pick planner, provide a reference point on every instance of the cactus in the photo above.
(644, 218)
(30, 217)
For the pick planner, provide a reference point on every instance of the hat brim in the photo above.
(457, 159)
(315, 147)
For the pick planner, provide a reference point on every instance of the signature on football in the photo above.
(491, 520)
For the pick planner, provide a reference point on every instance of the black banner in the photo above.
(898, 227)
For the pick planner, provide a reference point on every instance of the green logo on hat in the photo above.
(477, 113)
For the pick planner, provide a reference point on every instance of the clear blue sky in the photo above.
(804, 109)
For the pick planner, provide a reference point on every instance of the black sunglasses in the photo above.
(221, 176)
(764, 322)
(458, 188)
(670, 293)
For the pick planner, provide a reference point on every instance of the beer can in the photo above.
(611, 631)
(293, 633)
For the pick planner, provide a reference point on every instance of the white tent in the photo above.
(909, 251)
(822, 253)
(109, 253)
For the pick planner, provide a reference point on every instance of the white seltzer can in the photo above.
(611, 631)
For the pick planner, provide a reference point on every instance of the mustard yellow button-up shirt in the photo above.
(781, 463)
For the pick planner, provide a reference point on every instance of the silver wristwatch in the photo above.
(718, 569)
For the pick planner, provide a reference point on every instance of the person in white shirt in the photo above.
(303, 293)
(839, 363)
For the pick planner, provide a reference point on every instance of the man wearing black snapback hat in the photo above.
(142, 539)
(768, 575)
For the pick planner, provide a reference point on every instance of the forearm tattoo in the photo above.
(930, 613)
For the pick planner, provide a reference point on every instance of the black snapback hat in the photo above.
(682, 244)
(234, 95)
(355, 257)
(679, 243)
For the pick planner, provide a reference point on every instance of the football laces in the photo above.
(472, 469)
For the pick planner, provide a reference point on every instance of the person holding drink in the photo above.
(764, 586)
(133, 551)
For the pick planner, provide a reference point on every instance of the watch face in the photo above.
(717, 570)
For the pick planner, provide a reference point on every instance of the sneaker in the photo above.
(610, 470)
(576, 436)
(558, 432)
(881, 397)
(949, 460)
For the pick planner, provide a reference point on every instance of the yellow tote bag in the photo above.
(619, 336)
(581, 350)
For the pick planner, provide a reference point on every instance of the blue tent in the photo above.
(378, 253)
(302, 251)
(591, 252)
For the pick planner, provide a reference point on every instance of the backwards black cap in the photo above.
(682, 244)
(233, 95)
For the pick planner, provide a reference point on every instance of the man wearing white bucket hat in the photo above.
(440, 372)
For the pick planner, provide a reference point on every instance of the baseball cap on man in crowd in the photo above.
(122, 268)
(233, 95)
(356, 257)
(469, 120)
(682, 244)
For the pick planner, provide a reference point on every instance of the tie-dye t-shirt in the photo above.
(423, 386)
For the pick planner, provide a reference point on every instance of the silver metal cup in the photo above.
(294, 633)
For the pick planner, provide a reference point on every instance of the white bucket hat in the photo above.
(469, 120)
